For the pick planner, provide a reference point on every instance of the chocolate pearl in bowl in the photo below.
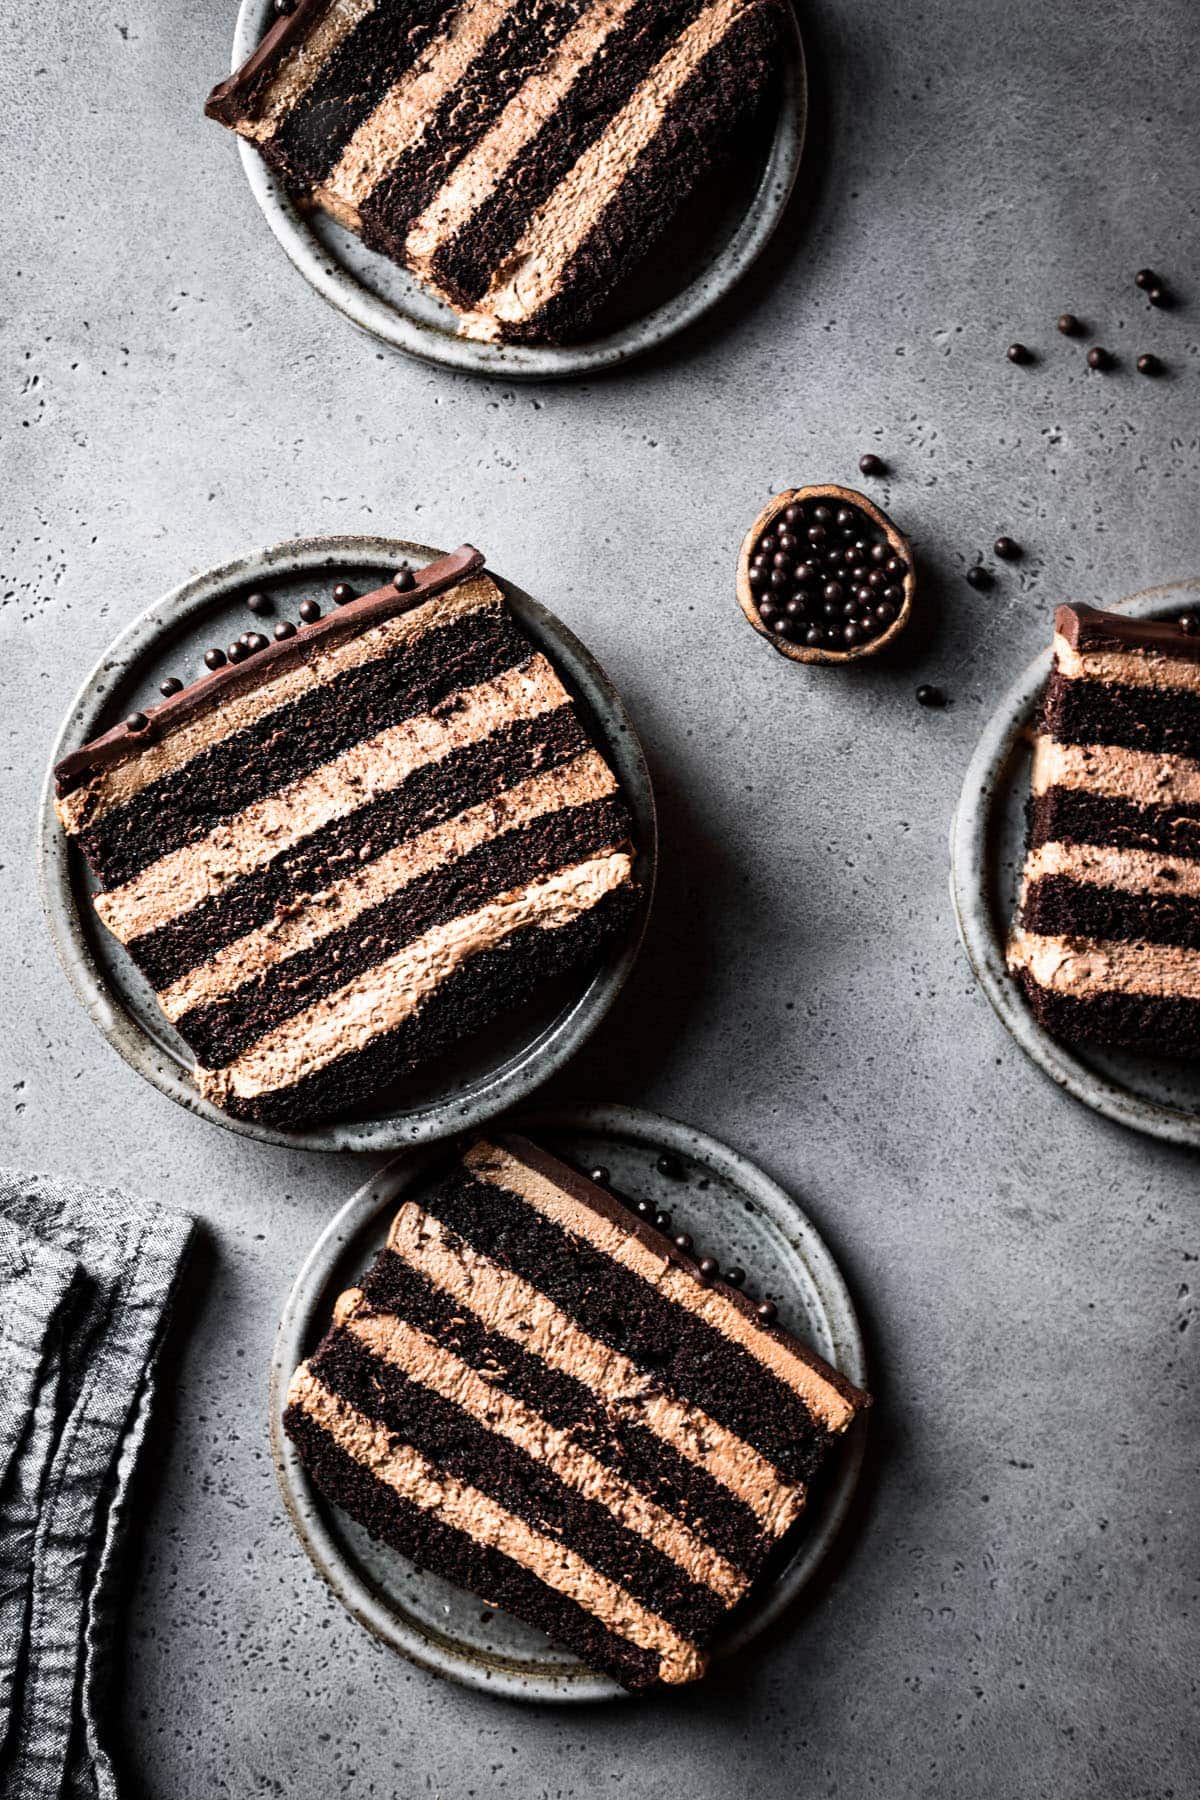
(858, 558)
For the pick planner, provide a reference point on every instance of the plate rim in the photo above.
(527, 1067)
(970, 831)
(656, 1131)
(380, 320)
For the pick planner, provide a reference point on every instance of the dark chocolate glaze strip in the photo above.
(211, 690)
(1087, 628)
(237, 95)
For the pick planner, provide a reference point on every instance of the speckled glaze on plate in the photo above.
(726, 1203)
(390, 305)
(482, 1076)
(987, 849)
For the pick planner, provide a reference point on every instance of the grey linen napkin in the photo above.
(86, 1280)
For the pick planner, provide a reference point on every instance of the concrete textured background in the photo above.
(1016, 1611)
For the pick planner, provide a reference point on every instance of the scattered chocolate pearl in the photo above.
(1099, 358)
(343, 593)
(215, 659)
(310, 612)
(978, 576)
(1069, 325)
(283, 9)
(1189, 624)
(928, 695)
(255, 641)
(136, 722)
(735, 1276)
(708, 1267)
(1148, 364)
(767, 1311)
(1007, 549)
(663, 1221)
(259, 603)
(285, 629)
(670, 1166)
(1146, 278)
(404, 580)
(1017, 353)
(237, 652)
(1158, 296)
(683, 1241)
(645, 1209)
(172, 685)
(599, 1175)
(872, 465)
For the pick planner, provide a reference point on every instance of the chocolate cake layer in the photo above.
(331, 873)
(473, 1388)
(1107, 943)
(518, 156)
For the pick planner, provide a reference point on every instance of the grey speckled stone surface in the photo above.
(1016, 1614)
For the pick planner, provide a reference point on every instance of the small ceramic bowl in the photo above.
(815, 653)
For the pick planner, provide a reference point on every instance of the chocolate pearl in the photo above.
(804, 573)
(816, 534)
(792, 514)
(782, 626)
(285, 629)
(599, 1175)
(172, 685)
(832, 590)
(863, 595)
(663, 1221)
(708, 1267)
(871, 464)
(670, 1166)
(780, 578)
(895, 565)
(768, 606)
(404, 580)
(1149, 364)
(1146, 278)
(215, 659)
(845, 516)
(877, 580)
(927, 695)
(259, 603)
(310, 612)
(814, 635)
(978, 576)
(851, 632)
(1098, 358)
(255, 641)
(767, 1311)
(788, 541)
(136, 722)
(781, 560)
(1158, 296)
(1007, 548)
(759, 576)
(849, 608)
(830, 609)
(894, 594)
(879, 553)
(283, 8)
(683, 1241)
(645, 1209)
(822, 514)
(1189, 624)
(735, 1276)
(1069, 325)
(797, 607)
(237, 652)
(1017, 353)
(767, 542)
(885, 612)
(833, 637)
(343, 593)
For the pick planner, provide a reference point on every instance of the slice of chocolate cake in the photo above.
(518, 156)
(1107, 942)
(355, 846)
(537, 1395)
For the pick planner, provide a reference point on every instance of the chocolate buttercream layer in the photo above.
(459, 1383)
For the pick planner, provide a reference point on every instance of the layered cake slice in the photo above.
(1107, 941)
(356, 846)
(537, 1395)
(518, 156)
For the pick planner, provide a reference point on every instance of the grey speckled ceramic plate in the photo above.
(726, 1203)
(481, 1077)
(987, 850)
(706, 255)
